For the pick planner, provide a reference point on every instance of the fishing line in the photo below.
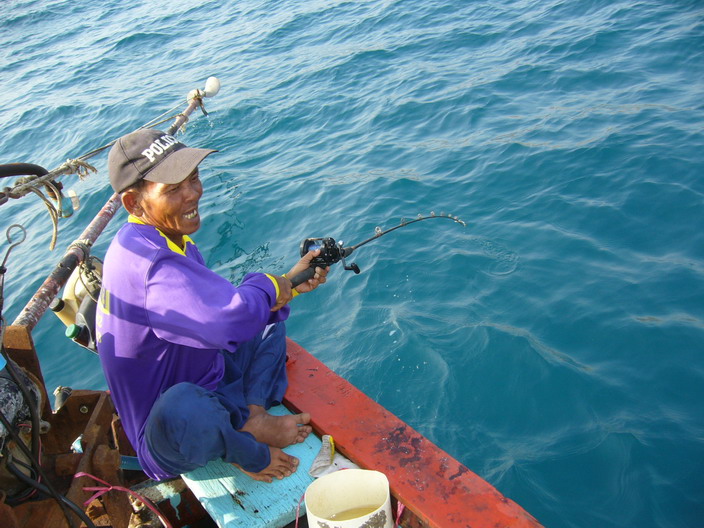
(332, 252)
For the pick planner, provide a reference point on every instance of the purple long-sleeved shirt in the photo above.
(163, 316)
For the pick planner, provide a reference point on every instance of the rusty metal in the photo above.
(181, 119)
(95, 434)
(89, 414)
(7, 513)
(36, 307)
(20, 347)
(38, 304)
(106, 465)
(174, 500)
(61, 464)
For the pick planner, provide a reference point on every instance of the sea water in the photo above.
(553, 345)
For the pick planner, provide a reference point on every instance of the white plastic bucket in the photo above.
(350, 498)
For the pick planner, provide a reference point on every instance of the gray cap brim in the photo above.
(178, 165)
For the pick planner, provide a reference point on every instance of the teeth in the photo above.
(191, 215)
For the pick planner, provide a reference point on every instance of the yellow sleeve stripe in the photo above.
(104, 301)
(295, 292)
(276, 285)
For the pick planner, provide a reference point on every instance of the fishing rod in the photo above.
(332, 252)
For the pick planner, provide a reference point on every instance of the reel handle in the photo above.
(302, 277)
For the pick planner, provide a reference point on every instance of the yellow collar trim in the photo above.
(170, 243)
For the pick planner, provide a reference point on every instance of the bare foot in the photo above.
(281, 465)
(277, 431)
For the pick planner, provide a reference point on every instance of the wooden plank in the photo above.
(20, 347)
(235, 500)
(439, 490)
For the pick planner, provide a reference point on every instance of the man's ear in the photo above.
(131, 201)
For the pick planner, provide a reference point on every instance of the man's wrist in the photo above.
(276, 285)
(294, 291)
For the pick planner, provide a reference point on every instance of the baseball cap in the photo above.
(149, 154)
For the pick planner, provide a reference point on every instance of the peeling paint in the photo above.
(461, 471)
(400, 443)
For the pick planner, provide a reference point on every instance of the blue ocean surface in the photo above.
(554, 345)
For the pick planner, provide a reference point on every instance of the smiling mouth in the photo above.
(191, 215)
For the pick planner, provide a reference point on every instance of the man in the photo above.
(192, 362)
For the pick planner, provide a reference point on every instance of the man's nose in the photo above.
(195, 190)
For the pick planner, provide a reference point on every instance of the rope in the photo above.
(53, 214)
(87, 268)
(169, 118)
(400, 507)
(102, 490)
(80, 167)
(31, 184)
(25, 184)
(54, 193)
(151, 124)
(160, 118)
(298, 509)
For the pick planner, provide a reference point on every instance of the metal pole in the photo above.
(38, 304)
(181, 119)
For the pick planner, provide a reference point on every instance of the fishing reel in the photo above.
(331, 252)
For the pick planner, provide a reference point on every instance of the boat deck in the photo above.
(233, 499)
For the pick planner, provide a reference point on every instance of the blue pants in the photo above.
(189, 426)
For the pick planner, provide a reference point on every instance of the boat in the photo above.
(78, 469)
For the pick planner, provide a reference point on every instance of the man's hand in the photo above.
(320, 274)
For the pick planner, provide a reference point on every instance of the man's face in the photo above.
(173, 209)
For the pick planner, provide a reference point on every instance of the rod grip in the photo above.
(302, 277)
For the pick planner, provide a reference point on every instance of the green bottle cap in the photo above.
(72, 331)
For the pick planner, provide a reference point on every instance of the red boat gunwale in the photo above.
(439, 490)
